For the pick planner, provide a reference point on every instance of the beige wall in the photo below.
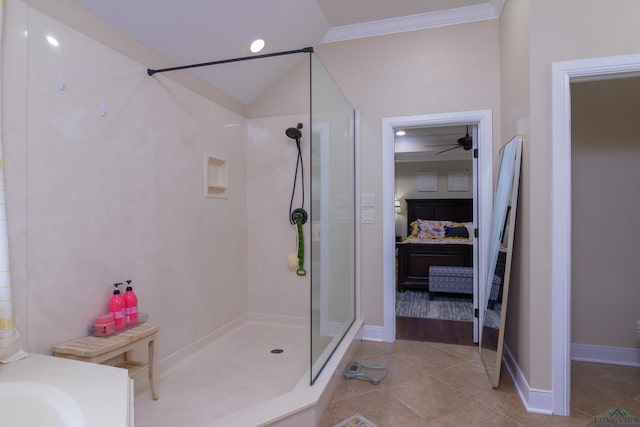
(445, 69)
(95, 200)
(559, 31)
(406, 181)
(514, 112)
(604, 167)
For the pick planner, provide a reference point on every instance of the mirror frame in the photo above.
(504, 219)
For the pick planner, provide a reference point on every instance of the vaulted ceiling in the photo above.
(196, 31)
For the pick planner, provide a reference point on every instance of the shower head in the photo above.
(294, 133)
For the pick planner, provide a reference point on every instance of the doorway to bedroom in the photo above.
(434, 228)
(431, 179)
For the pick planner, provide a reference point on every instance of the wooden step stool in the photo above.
(101, 349)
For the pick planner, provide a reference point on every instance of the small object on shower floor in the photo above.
(356, 421)
(367, 372)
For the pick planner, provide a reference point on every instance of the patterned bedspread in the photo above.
(432, 241)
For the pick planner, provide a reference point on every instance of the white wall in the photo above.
(94, 200)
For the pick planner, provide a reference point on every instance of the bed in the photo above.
(416, 254)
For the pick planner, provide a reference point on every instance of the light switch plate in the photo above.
(367, 200)
(367, 217)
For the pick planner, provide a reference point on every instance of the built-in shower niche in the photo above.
(215, 177)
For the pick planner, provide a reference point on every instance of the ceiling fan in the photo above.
(465, 142)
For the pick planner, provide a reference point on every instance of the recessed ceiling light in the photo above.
(53, 41)
(400, 133)
(257, 45)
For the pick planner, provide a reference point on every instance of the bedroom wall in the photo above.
(566, 30)
(604, 165)
(95, 199)
(406, 185)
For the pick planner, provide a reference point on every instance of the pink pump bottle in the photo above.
(116, 306)
(130, 305)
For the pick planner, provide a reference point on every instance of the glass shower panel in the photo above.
(332, 216)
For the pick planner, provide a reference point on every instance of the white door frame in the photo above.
(484, 120)
(562, 74)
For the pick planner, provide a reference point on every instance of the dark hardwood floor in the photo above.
(434, 330)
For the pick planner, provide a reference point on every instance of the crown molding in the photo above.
(422, 21)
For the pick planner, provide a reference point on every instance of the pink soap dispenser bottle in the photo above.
(116, 306)
(130, 305)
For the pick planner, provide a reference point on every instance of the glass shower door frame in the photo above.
(333, 291)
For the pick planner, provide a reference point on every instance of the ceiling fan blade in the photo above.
(448, 149)
(439, 145)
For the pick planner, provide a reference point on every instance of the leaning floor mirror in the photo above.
(500, 251)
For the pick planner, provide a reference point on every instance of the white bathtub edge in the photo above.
(86, 384)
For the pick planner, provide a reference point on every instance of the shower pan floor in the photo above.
(234, 372)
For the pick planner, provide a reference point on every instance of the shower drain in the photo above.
(277, 351)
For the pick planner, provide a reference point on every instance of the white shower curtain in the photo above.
(10, 345)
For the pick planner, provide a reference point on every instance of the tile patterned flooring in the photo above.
(432, 384)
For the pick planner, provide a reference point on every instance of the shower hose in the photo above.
(299, 216)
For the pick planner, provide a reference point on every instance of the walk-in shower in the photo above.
(305, 309)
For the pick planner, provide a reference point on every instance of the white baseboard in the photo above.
(535, 401)
(541, 401)
(603, 354)
(372, 333)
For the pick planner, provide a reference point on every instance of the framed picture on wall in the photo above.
(458, 181)
(427, 181)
